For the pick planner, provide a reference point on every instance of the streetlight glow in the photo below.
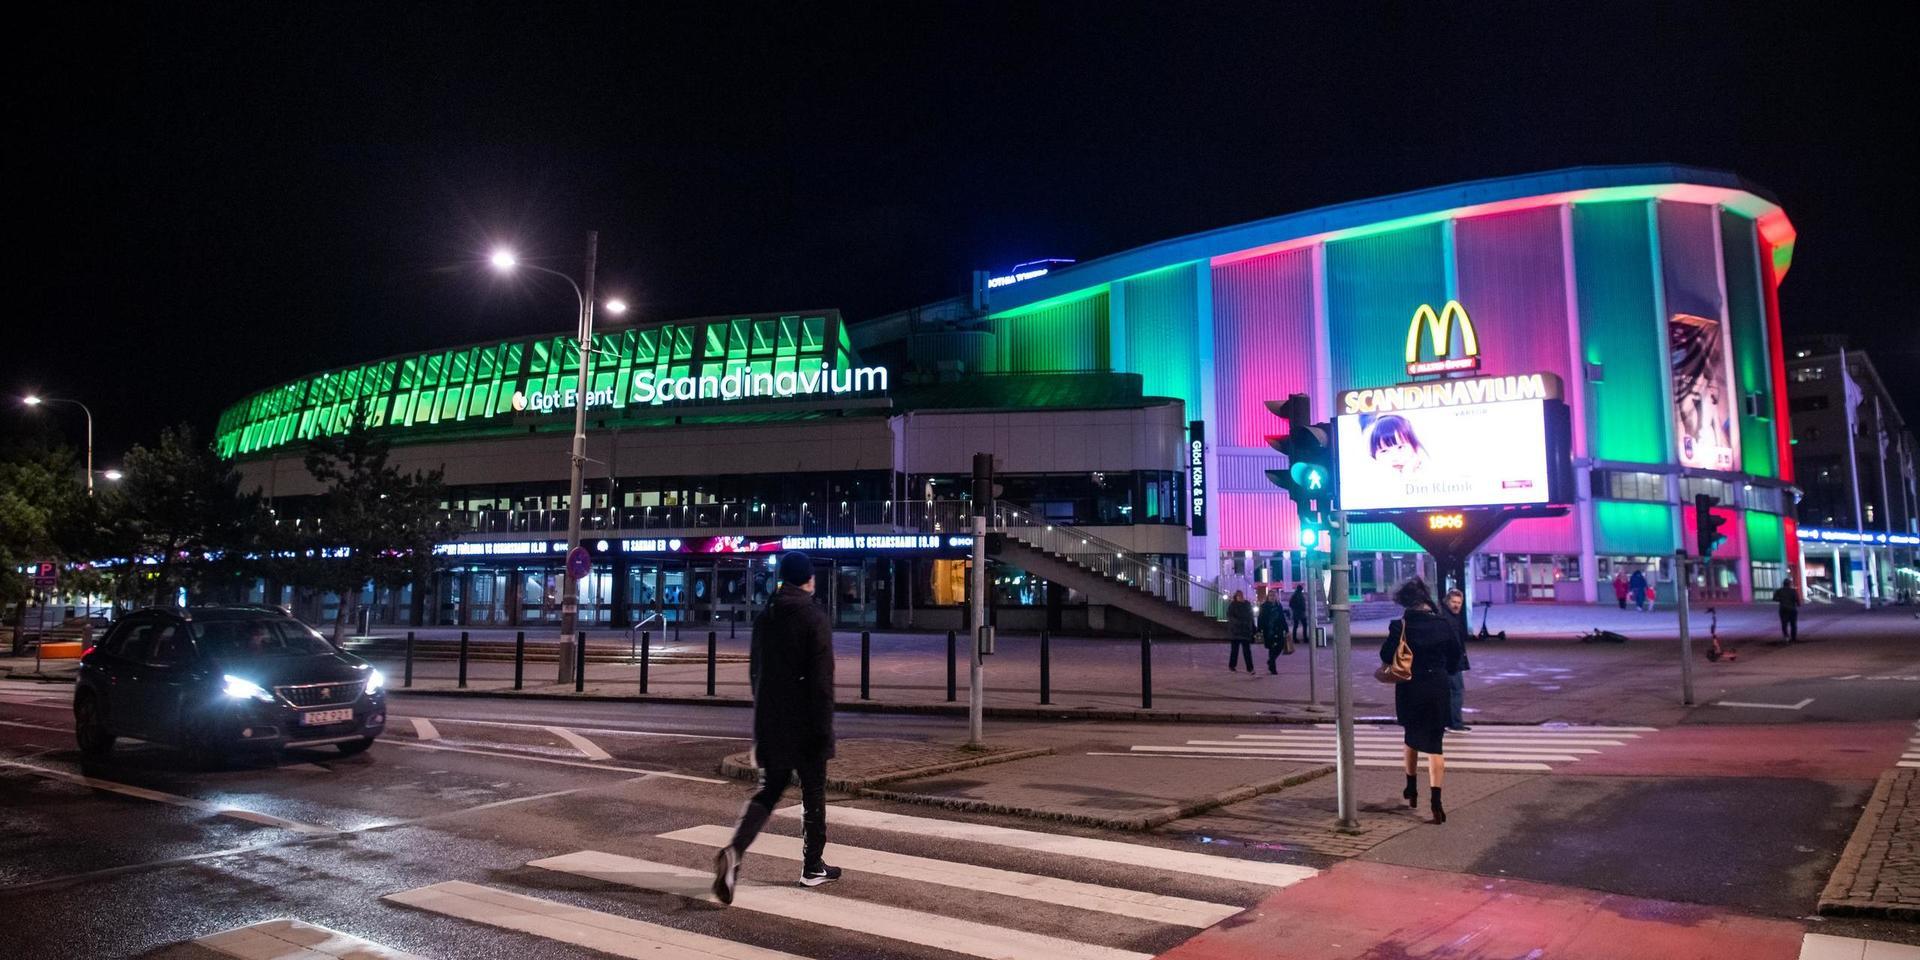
(616, 306)
(113, 474)
(30, 400)
(503, 259)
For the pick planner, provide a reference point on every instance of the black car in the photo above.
(223, 680)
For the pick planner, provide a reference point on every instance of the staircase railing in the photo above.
(1107, 558)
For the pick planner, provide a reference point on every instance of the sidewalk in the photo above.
(1879, 872)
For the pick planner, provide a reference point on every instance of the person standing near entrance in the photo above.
(1297, 607)
(791, 671)
(1240, 627)
(1456, 603)
(1273, 629)
(1789, 600)
(1637, 588)
(1620, 589)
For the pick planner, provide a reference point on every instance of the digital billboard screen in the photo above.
(1471, 455)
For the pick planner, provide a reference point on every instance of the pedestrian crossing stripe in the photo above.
(287, 939)
(1452, 764)
(1088, 848)
(1207, 746)
(1137, 904)
(1552, 729)
(1501, 749)
(1395, 743)
(797, 903)
(592, 929)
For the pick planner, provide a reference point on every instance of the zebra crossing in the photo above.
(1041, 916)
(1500, 749)
(1910, 757)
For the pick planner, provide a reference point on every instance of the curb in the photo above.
(1139, 823)
(735, 766)
(1835, 900)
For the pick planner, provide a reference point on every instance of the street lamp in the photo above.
(114, 475)
(504, 261)
(33, 400)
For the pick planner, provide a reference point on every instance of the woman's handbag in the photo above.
(1401, 669)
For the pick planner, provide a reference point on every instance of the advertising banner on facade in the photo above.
(1705, 426)
(1466, 455)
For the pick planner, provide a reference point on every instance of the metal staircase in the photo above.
(1104, 572)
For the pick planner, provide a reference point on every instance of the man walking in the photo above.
(1789, 600)
(1273, 629)
(1297, 607)
(1637, 586)
(791, 671)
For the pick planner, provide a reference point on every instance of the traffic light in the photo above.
(1706, 526)
(1309, 474)
(985, 490)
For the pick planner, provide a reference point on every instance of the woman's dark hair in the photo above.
(1390, 430)
(1414, 594)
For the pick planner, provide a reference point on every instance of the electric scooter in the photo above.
(1486, 610)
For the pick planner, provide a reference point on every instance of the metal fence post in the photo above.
(580, 662)
(1046, 668)
(713, 649)
(646, 654)
(866, 655)
(1146, 668)
(519, 657)
(407, 678)
(953, 677)
(463, 659)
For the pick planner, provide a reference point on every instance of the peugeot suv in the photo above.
(218, 681)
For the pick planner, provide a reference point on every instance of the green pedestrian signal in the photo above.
(1311, 477)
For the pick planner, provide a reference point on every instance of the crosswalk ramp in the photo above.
(1503, 749)
(913, 903)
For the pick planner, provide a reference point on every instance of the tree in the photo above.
(376, 525)
(35, 493)
(180, 519)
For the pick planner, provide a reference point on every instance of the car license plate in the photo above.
(319, 717)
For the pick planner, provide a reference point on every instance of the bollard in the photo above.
(1146, 668)
(1046, 668)
(866, 654)
(646, 654)
(580, 662)
(407, 679)
(519, 657)
(713, 648)
(952, 676)
(463, 659)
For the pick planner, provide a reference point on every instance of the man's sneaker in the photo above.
(726, 873)
(818, 874)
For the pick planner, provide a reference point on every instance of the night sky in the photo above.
(212, 199)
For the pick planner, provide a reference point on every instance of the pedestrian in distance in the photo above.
(1297, 610)
(1420, 703)
(790, 669)
(1637, 588)
(1273, 629)
(1240, 629)
(1789, 600)
(1620, 589)
(1456, 604)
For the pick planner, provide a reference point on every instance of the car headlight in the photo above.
(241, 688)
(375, 681)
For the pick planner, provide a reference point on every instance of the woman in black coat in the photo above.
(1422, 705)
(1240, 630)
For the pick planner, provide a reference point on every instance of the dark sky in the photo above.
(210, 199)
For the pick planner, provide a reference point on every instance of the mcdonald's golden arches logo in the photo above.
(1439, 328)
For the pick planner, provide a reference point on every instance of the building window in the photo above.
(1810, 404)
(1807, 374)
(1631, 485)
(1767, 577)
(1721, 490)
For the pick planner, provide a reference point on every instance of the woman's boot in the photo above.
(1412, 792)
(1439, 812)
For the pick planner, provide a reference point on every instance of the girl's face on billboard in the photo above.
(1397, 453)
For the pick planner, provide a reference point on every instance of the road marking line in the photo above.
(596, 731)
(605, 932)
(1396, 743)
(190, 803)
(1158, 908)
(565, 763)
(1764, 706)
(586, 747)
(1909, 763)
(1543, 729)
(1452, 764)
(1360, 752)
(796, 903)
(286, 939)
(1111, 851)
(424, 729)
(1452, 735)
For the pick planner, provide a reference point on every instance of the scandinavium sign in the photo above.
(650, 390)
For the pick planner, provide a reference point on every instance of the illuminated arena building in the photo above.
(1123, 398)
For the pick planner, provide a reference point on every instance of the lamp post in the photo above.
(32, 400)
(504, 261)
